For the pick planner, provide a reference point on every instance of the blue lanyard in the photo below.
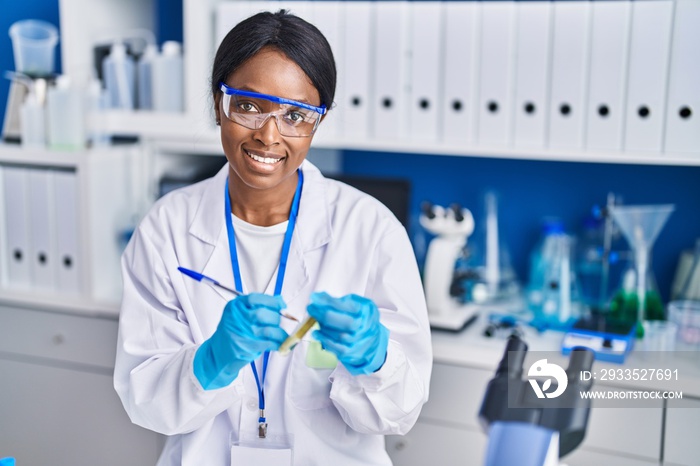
(260, 381)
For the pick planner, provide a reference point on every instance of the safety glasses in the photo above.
(253, 110)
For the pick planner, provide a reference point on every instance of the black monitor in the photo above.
(394, 193)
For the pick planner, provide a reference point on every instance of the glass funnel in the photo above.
(638, 298)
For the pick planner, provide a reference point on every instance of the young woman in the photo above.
(201, 365)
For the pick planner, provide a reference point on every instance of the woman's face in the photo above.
(268, 72)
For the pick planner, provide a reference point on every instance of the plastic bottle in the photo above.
(119, 72)
(97, 103)
(65, 109)
(167, 79)
(32, 121)
(144, 78)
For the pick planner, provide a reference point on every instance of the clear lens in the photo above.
(253, 113)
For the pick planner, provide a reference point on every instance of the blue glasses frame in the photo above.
(272, 98)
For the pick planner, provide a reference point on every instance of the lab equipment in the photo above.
(296, 336)
(167, 79)
(144, 78)
(686, 283)
(638, 298)
(527, 430)
(119, 74)
(553, 295)
(248, 327)
(32, 119)
(610, 339)
(350, 328)
(214, 283)
(34, 46)
(686, 315)
(452, 227)
(484, 275)
(597, 257)
(65, 111)
(659, 335)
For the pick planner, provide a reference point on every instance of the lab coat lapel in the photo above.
(312, 231)
(209, 226)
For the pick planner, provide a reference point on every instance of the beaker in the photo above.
(638, 299)
(484, 274)
(33, 44)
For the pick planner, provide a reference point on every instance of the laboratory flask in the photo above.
(553, 294)
(638, 298)
(484, 274)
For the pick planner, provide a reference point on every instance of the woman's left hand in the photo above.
(350, 328)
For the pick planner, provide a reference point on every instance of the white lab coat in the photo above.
(344, 242)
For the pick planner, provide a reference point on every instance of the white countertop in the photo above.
(469, 348)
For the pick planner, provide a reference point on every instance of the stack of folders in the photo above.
(39, 230)
(612, 76)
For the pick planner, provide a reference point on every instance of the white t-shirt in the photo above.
(259, 249)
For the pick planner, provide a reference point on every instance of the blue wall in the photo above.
(529, 190)
(11, 11)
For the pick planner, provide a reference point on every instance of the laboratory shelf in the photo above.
(58, 303)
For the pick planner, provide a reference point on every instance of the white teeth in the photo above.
(262, 159)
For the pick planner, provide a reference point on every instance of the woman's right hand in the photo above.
(249, 326)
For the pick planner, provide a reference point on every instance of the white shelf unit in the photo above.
(108, 187)
(194, 129)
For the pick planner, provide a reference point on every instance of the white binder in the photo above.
(496, 73)
(15, 255)
(570, 50)
(390, 70)
(650, 38)
(42, 220)
(426, 63)
(66, 206)
(610, 22)
(358, 43)
(683, 110)
(460, 71)
(533, 34)
(327, 18)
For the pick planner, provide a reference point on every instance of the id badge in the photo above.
(273, 450)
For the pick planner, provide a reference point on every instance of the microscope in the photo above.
(529, 425)
(452, 226)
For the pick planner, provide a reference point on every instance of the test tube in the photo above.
(296, 336)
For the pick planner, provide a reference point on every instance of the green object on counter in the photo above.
(624, 307)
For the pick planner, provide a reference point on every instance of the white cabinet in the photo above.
(681, 438)
(88, 198)
(58, 404)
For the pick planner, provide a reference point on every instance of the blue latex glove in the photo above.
(249, 326)
(350, 328)
(7, 461)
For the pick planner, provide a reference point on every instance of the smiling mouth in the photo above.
(266, 160)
